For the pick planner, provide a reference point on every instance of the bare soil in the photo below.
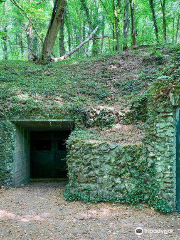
(38, 211)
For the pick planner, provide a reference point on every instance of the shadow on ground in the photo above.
(38, 211)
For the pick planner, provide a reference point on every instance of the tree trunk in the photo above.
(91, 37)
(91, 25)
(61, 40)
(173, 31)
(86, 9)
(177, 30)
(96, 47)
(36, 49)
(84, 30)
(116, 10)
(55, 24)
(4, 43)
(68, 29)
(29, 35)
(133, 28)
(103, 31)
(21, 44)
(126, 25)
(4, 37)
(163, 6)
(151, 2)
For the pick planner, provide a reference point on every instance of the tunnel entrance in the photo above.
(40, 150)
(48, 154)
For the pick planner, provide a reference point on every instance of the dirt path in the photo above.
(38, 211)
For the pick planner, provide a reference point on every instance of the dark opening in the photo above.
(42, 145)
(48, 154)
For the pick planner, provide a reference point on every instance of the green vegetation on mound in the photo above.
(97, 92)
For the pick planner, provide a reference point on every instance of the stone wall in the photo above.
(21, 164)
(7, 144)
(102, 170)
(161, 145)
(106, 171)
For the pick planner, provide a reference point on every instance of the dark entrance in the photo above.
(48, 154)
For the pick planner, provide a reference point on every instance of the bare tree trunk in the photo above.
(55, 24)
(88, 17)
(173, 31)
(61, 40)
(133, 28)
(96, 46)
(111, 21)
(84, 30)
(177, 30)
(163, 6)
(103, 31)
(21, 44)
(86, 9)
(114, 38)
(36, 49)
(4, 44)
(151, 2)
(126, 24)
(78, 47)
(29, 35)
(68, 29)
(116, 9)
(22, 11)
(4, 37)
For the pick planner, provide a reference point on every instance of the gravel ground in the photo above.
(38, 211)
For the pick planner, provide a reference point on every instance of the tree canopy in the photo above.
(25, 25)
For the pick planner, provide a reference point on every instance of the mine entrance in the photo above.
(48, 154)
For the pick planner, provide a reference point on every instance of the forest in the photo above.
(89, 119)
(46, 30)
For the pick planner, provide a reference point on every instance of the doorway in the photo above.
(48, 154)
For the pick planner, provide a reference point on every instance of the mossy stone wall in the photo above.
(7, 145)
(101, 171)
(161, 146)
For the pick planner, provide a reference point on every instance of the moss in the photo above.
(98, 94)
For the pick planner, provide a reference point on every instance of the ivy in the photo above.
(135, 168)
(133, 198)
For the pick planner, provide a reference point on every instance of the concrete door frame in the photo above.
(21, 155)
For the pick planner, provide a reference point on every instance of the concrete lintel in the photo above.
(44, 124)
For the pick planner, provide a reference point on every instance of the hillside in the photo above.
(101, 90)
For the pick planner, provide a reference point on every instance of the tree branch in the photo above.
(26, 15)
(78, 47)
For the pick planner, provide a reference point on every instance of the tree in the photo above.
(177, 31)
(91, 24)
(5, 36)
(163, 7)
(24, 35)
(61, 39)
(178, 24)
(116, 9)
(126, 24)
(151, 2)
(78, 47)
(133, 28)
(54, 26)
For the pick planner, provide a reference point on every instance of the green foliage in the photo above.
(133, 198)
(131, 165)
(169, 82)
(131, 86)
(78, 26)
